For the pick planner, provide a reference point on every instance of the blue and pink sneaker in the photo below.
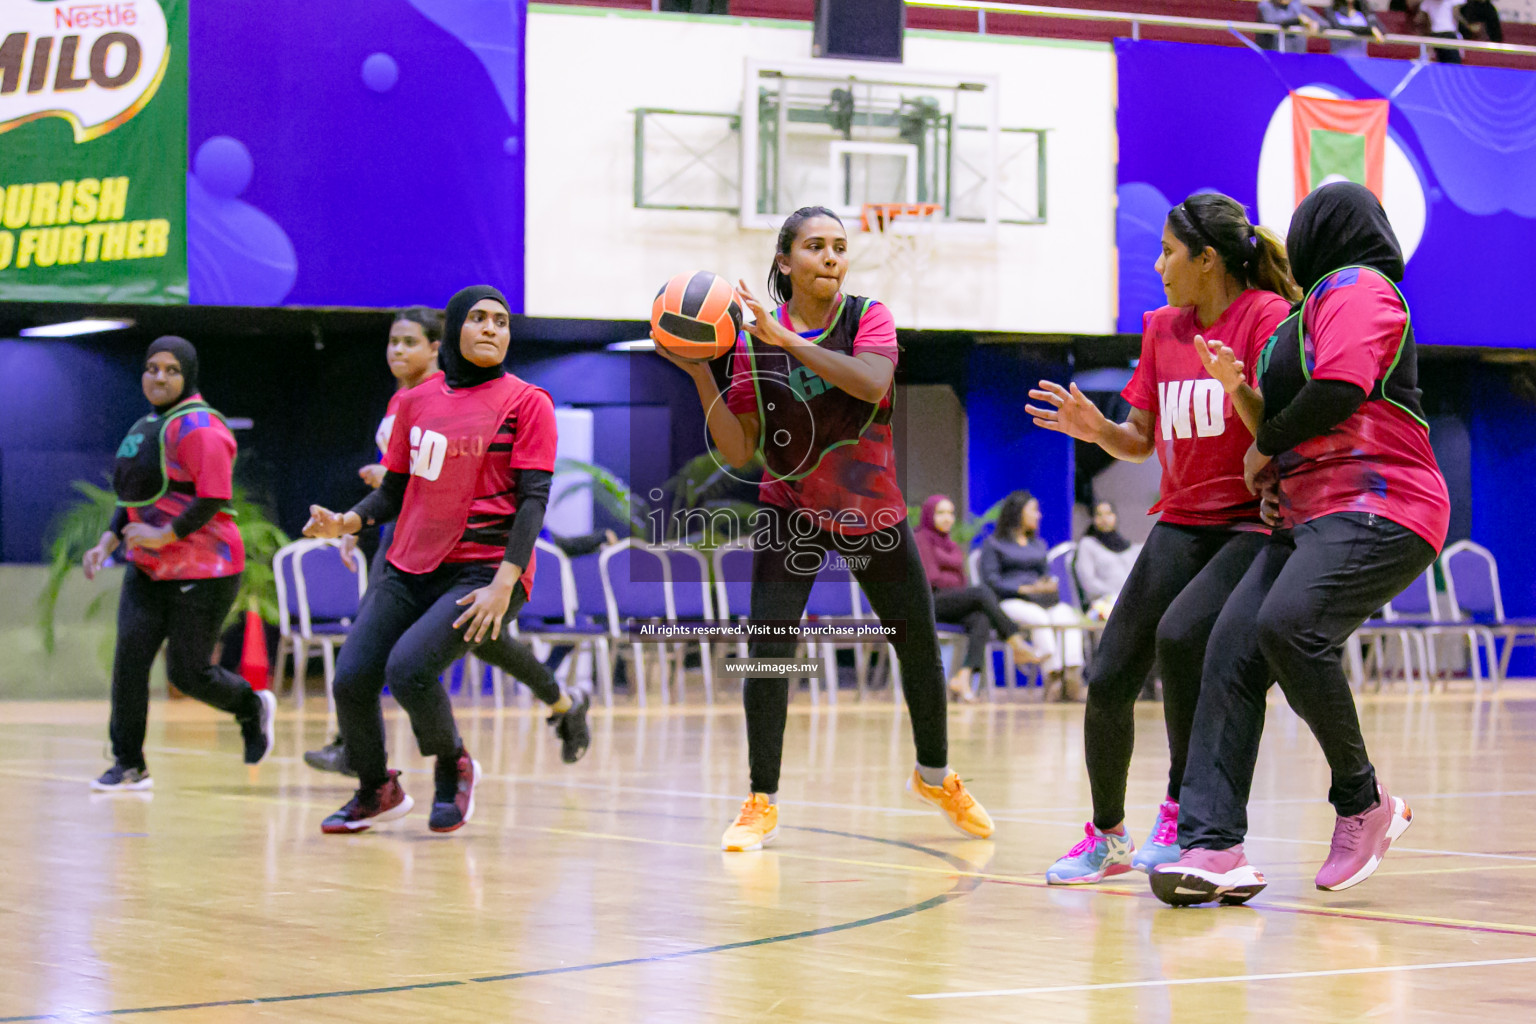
(1163, 843)
(1098, 856)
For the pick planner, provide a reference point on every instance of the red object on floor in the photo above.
(254, 666)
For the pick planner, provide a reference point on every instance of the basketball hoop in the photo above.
(880, 215)
(906, 231)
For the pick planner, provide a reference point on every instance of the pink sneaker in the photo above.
(1207, 876)
(1360, 841)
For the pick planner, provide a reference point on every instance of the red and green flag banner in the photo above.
(1338, 140)
(93, 153)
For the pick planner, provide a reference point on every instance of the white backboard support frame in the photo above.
(880, 101)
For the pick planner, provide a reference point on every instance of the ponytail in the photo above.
(1252, 254)
(1271, 267)
(779, 285)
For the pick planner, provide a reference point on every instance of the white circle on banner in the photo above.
(1403, 200)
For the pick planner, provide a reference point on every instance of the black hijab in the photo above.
(1341, 225)
(458, 371)
(186, 358)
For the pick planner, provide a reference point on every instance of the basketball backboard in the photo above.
(843, 134)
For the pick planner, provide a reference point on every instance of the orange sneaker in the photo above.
(755, 827)
(960, 808)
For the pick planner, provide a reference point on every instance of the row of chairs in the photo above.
(587, 602)
(1423, 624)
(599, 595)
(1428, 629)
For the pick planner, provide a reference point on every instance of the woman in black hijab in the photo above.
(1349, 481)
(467, 475)
(184, 555)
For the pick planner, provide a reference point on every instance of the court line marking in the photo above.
(1229, 979)
(965, 869)
(905, 812)
(1029, 881)
(964, 884)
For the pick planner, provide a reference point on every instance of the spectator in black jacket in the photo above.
(1480, 20)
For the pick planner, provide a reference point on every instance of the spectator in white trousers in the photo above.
(1016, 565)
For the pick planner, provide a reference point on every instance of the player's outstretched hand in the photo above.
(96, 558)
(325, 524)
(1066, 411)
(763, 325)
(482, 619)
(1220, 362)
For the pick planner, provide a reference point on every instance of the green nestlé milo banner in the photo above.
(93, 115)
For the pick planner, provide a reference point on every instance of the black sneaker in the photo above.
(120, 778)
(453, 803)
(369, 807)
(260, 733)
(330, 758)
(571, 726)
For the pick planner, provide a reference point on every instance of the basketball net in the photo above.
(906, 232)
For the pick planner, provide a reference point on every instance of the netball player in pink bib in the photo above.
(1227, 280)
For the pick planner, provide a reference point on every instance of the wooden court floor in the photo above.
(597, 892)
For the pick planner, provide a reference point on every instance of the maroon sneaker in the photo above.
(454, 802)
(1207, 876)
(369, 807)
(1360, 841)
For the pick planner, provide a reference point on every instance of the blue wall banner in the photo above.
(1457, 172)
(356, 152)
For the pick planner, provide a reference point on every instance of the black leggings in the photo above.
(1308, 590)
(1166, 610)
(894, 581)
(187, 616)
(976, 609)
(404, 638)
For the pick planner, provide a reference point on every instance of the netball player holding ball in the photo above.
(1226, 279)
(811, 389)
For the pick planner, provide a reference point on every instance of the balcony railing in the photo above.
(1137, 20)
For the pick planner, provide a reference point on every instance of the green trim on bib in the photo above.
(762, 419)
(190, 406)
(1301, 338)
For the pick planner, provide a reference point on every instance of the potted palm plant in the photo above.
(77, 528)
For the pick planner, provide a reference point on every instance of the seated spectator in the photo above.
(956, 601)
(1104, 559)
(1480, 21)
(1015, 564)
(1437, 18)
(1290, 14)
(1357, 17)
